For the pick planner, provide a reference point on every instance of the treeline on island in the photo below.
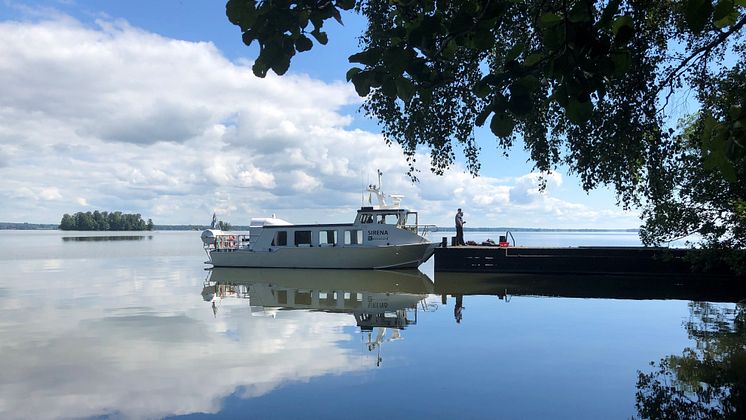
(103, 220)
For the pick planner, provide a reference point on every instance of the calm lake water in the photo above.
(132, 325)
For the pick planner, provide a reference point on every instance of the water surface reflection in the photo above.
(102, 238)
(379, 300)
(595, 286)
(127, 329)
(708, 380)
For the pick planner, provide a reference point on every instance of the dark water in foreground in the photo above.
(137, 328)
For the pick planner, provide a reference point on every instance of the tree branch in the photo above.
(703, 49)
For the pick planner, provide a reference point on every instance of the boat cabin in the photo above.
(401, 218)
(372, 226)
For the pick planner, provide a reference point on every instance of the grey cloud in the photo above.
(167, 122)
(522, 194)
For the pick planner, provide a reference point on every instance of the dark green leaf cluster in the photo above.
(102, 220)
(565, 76)
(282, 27)
(703, 191)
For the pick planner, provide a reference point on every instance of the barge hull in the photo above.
(570, 260)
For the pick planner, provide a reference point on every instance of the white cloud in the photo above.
(116, 118)
(527, 189)
(51, 193)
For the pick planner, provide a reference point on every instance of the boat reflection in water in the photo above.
(378, 299)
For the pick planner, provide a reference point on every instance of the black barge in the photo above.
(573, 260)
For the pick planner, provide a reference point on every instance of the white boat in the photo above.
(380, 237)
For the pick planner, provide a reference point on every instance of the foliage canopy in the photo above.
(591, 85)
(102, 220)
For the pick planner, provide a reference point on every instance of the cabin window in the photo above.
(302, 297)
(281, 239)
(328, 299)
(353, 300)
(302, 238)
(353, 237)
(366, 218)
(327, 237)
(388, 219)
(282, 297)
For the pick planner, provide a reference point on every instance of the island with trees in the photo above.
(102, 220)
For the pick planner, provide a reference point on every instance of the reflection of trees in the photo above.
(707, 381)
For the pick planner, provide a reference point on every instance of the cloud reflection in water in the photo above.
(142, 342)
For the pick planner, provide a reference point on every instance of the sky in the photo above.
(152, 108)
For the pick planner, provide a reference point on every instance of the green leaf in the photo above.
(396, 60)
(529, 82)
(623, 29)
(303, 43)
(483, 40)
(481, 89)
(622, 61)
(491, 79)
(352, 72)
(247, 38)
(345, 4)
(404, 89)
(579, 112)
(725, 14)
(580, 13)
(560, 95)
(502, 124)
(281, 65)
(554, 37)
(697, 13)
(482, 116)
(620, 23)
(549, 19)
(389, 88)
(609, 11)
(533, 59)
(303, 19)
(368, 57)
(734, 111)
(520, 102)
(320, 36)
(336, 15)
(259, 68)
(722, 9)
(514, 52)
(362, 84)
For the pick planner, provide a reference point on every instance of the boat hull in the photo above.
(380, 257)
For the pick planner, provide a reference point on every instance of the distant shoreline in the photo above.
(49, 226)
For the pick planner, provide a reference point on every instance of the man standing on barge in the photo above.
(460, 228)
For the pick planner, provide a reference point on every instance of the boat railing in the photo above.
(230, 242)
(424, 230)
